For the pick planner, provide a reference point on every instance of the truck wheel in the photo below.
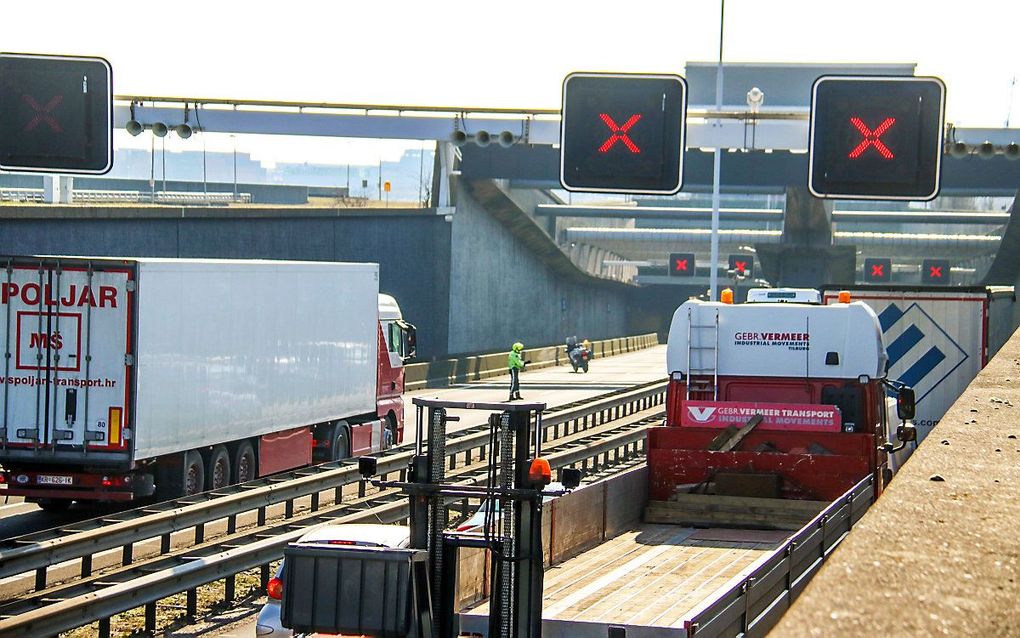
(194, 473)
(245, 468)
(218, 473)
(55, 504)
(341, 444)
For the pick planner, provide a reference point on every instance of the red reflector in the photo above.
(274, 588)
(336, 542)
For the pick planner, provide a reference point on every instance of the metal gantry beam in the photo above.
(772, 130)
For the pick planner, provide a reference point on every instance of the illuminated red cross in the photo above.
(935, 272)
(42, 113)
(741, 266)
(871, 137)
(619, 133)
(877, 270)
(681, 265)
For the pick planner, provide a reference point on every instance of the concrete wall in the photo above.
(412, 250)
(501, 292)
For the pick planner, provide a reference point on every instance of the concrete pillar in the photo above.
(805, 257)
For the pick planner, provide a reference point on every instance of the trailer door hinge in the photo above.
(129, 359)
(130, 285)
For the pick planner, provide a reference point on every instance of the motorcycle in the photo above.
(578, 354)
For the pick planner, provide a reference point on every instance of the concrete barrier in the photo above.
(939, 552)
(437, 374)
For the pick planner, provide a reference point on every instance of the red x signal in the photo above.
(935, 272)
(878, 270)
(43, 113)
(681, 265)
(871, 137)
(619, 133)
(740, 266)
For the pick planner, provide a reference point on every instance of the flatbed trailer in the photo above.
(658, 580)
(648, 579)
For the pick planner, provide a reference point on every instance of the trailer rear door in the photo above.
(66, 372)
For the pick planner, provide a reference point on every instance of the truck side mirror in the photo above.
(905, 403)
(410, 336)
(906, 433)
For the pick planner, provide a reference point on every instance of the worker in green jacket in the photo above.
(516, 363)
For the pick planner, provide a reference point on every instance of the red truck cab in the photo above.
(806, 380)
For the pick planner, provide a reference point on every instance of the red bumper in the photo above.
(678, 456)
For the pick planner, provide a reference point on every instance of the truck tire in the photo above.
(340, 446)
(245, 465)
(194, 473)
(54, 504)
(217, 474)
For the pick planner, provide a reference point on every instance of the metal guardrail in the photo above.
(129, 197)
(40, 556)
(755, 604)
(147, 589)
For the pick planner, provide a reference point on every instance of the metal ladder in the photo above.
(704, 378)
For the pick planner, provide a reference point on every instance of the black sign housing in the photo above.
(56, 114)
(875, 137)
(623, 133)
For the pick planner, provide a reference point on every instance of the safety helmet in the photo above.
(518, 346)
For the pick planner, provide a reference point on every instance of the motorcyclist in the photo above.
(515, 363)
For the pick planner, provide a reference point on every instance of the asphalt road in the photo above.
(554, 386)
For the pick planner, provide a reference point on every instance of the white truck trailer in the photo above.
(125, 377)
(938, 338)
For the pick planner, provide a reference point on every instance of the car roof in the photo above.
(384, 535)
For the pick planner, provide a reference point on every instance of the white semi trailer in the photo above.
(128, 377)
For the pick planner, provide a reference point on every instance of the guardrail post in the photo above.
(821, 545)
(746, 616)
(164, 544)
(361, 488)
(40, 579)
(228, 588)
(261, 516)
(232, 520)
(315, 500)
(86, 566)
(263, 575)
(126, 554)
(150, 618)
(199, 534)
(789, 571)
(191, 604)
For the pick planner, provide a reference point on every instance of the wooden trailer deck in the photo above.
(646, 579)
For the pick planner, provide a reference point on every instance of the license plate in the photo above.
(43, 479)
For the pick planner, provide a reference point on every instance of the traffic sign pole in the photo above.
(713, 281)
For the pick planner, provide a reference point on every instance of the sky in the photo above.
(501, 54)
